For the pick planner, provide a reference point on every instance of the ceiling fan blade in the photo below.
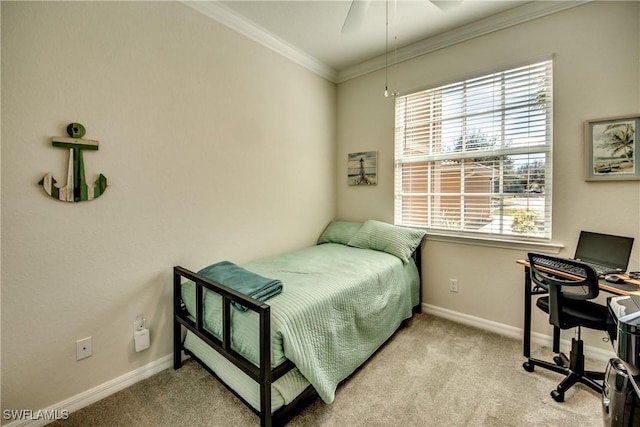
(445, 5)
(355, 16)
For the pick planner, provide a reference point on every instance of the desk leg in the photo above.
(527, 314)
(528, 294)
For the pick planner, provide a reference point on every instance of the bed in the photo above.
(340, 300)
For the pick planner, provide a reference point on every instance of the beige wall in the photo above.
(596, 74)
(214, 147)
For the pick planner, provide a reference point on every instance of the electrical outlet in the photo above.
(138, 324)
(453, 285)
(83, 348)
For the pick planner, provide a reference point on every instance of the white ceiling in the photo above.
(309, 31)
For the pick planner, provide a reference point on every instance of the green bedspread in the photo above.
(338, 305)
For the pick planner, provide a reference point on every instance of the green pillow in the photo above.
(339, 232)
(392, 239)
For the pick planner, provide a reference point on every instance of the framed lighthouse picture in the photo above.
(362, 168)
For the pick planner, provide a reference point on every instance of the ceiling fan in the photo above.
(358, 10)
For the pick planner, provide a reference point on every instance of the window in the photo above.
(474, 157)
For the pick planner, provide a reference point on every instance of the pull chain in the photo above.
(386, 50)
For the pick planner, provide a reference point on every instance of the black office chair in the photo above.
(568, 306)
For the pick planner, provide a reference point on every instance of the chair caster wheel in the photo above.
(528, 366)
(558, 360)
(557, 396)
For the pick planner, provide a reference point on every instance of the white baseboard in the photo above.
(95, 394)
(512, 332)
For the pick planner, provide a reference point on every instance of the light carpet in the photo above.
(432, 372)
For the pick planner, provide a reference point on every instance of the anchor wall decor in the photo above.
(76, 189)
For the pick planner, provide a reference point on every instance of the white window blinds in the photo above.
(475, 156)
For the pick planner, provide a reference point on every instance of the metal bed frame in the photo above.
(262, 374)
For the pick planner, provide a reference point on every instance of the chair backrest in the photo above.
(581, 284)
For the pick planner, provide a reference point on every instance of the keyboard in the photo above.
(558, 265)
(602, 270)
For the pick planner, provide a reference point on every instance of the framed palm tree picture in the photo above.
(610, 149)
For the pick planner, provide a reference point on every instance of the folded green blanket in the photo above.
(237, 278)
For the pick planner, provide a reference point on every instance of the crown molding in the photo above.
(236, 22)
(527, 12)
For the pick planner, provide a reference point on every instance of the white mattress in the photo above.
(283, 391)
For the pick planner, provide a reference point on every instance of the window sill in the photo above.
(549, 247)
